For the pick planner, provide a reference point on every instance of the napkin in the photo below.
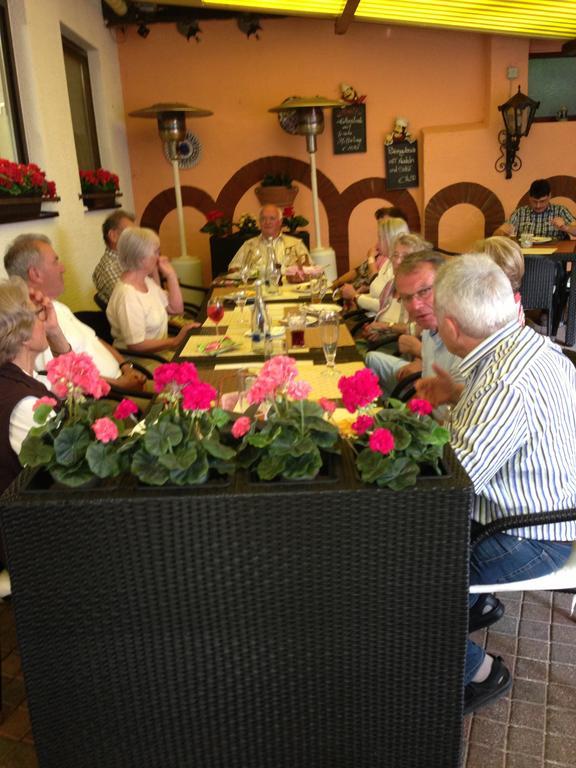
(218, 347)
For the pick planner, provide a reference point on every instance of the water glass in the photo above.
(274, 346)
(526, 238)
(240, 299)
(329, 333)
(296, 329)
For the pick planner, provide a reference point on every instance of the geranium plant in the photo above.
(289, 442)
(216, 224)
(391, 444)
(78, 438)
(21, 180)
(247, 225)
(291, 221)
(180, 439)
(99, 180)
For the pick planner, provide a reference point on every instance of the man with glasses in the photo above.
(540, 217)
(414, 279)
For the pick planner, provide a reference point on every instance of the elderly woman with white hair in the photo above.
(22, 338)
(138, 309)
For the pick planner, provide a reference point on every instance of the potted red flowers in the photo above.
(22, 189)
(99, 189)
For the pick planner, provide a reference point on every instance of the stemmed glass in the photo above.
(215, 311)
(241, 298)
(329, 332)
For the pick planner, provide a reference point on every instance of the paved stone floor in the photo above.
(533, 727)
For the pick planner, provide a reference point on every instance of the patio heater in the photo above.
(304, 116)
(171, 119)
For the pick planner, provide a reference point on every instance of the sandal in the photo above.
(498, 682)
(479, 617)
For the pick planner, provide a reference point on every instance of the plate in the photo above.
(324, 307)
(539, 239)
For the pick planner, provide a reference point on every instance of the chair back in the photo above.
(537, 289)
(98, 321)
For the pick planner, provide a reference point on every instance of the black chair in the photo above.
(405, 389)
(538, 284)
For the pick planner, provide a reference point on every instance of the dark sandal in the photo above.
(498, 682)
(478, 618)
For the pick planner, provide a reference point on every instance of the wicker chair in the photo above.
(537, 289)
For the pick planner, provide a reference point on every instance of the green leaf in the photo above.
(34, 452)
(304, 466)
(193, 475)
(216, 449)
(41, 413)
(71, 444)
(148, 469)
(102, 460)
(72, 476)
(162, 437)
(220, 417)
(270, 466)
(181, 458)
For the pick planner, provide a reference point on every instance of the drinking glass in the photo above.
(329, 331)
(296, 330)
(246, 268)
(215, 311)
(526, 238)
(240, 300)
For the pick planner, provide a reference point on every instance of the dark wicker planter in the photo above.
(98, 201)
(287, 627)
(19, 208)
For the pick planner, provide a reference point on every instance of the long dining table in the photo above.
(564, 252)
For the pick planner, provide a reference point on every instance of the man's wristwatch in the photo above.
(126, 362)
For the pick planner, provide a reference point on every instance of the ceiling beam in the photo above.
(343, 22)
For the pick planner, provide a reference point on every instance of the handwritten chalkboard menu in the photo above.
(349, 129)
(401, 164)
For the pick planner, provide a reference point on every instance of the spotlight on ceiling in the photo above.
(189, 28)
(143, 31)
(249, 24)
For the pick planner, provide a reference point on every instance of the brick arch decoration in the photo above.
(164, 202)
(463, 192)
(560, 186)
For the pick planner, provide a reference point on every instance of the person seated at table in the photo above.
(288, 250)
(108, 270)
(540, 217)
(415, 279)
(361, 276)
(391, 316)
(138, 308)
(368, 299)
(509, 257)
(513, 430)
(32, 257)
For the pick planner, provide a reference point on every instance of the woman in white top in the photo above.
(388, 231)
(138, 309)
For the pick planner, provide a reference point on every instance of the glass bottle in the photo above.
(271, 271)
(260, 321)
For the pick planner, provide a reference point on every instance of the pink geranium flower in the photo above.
(75, 374)
(382, 441)
(44, 401)
(421, 407)
(329, 406)
(198, 396)
(298, 390)
(359, 390)
(125, 409)
(105, 430)
(363, 424)
(240, 427)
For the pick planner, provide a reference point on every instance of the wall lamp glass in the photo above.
(518, 115)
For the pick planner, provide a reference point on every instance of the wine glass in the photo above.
(240, 299)
(215, 311)
(329, 332)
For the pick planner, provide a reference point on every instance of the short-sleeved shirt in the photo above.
(540, 223)
(136, 316)
(289, 250)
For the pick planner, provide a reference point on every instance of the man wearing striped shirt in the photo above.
(514, 432)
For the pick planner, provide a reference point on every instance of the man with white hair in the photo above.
(288, 250)
(32, 257)
(514, 431)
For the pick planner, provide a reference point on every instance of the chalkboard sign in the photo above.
(401, 164)
(349, 129)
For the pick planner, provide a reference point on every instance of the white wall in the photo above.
(37, 27)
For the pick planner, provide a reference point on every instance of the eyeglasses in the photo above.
(421, 295)
(41, 313)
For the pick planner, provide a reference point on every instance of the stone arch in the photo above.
(362, 190)
(164, 202)
(462, 192)
(561, 186)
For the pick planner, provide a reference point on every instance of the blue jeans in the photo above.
(502, 558)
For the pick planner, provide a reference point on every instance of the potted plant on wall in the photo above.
(276, 189)
(22, 189)
(100, 188)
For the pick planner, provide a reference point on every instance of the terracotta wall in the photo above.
(447, 84)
